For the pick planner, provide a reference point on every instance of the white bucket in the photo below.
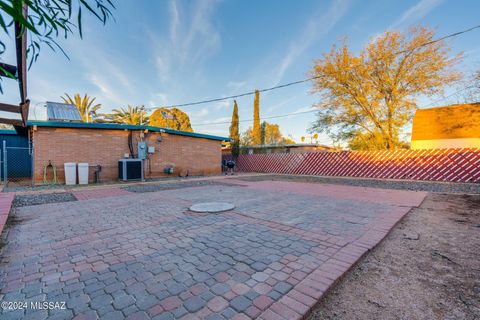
(70, 173)
(83, 173)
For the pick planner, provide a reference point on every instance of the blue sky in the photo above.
(172, 52)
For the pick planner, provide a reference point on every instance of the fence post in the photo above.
(5, 179)
(33, 164)
(31, 151)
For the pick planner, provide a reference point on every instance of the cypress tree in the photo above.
(262, 132)
(235, 132)
(256, 132)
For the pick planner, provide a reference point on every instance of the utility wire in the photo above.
(300, 81)
(237, 95)
(443, 38)
(262, 118)
(310, 111)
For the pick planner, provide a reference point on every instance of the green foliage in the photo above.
(130, 115)
(86, 106)
(262, 132)
(49, 19)
(256, 119)
(235, 131)
(173, 118)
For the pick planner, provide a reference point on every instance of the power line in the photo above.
(300, 81)
(237, 95)
(443, 38)
(263, 118)
(310, 111)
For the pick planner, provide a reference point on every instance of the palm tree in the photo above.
(85, 106)
(129, 115)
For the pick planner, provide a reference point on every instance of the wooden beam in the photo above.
(8, 68)
(21, 49)
(10, 108)
(24, 107)
(14, 122)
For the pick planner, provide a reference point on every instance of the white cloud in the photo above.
(217, 132)
(107, 91)
(235, 85)
(193, 39)
(281, 104)
(223, 104)
(214, 121)
(202, 113)
(175, 20)
(315, 28)
(304, 109)
(158, 99)
(416, 12)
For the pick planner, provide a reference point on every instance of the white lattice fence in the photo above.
(456, 165)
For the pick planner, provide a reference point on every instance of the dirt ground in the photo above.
(428, 267)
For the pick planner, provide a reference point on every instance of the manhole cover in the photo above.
(212, 207)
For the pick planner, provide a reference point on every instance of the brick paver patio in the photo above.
(97, 193)
(145, 255)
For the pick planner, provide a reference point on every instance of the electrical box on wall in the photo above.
(142, 150)
(151, 149)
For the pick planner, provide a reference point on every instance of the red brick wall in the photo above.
(105, 147)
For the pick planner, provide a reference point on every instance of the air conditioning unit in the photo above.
(130, 169)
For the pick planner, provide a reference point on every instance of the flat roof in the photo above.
(117, 126)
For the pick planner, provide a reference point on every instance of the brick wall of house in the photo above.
(105, 147)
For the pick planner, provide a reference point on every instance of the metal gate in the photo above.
(16, 160)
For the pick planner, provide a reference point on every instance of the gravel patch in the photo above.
(37, 199)
(428, 186)
(153, 187)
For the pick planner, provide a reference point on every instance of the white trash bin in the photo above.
(70, 173)
(83, 173)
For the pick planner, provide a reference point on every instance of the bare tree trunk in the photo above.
(390, 144)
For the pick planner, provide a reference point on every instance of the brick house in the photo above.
(455, 126)
(104, 144)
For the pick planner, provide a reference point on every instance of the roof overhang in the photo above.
(115, 126)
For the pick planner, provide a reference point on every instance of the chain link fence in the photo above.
(16, 164)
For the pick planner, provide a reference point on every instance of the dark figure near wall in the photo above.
(228, 166)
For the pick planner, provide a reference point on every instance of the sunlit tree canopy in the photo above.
(272, 135)
(171, 118)
(366, 99)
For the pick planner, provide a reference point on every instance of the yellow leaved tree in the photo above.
(270, 135)
(171, 118)
(366, 99)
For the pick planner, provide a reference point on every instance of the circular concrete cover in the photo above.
(212, 207)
